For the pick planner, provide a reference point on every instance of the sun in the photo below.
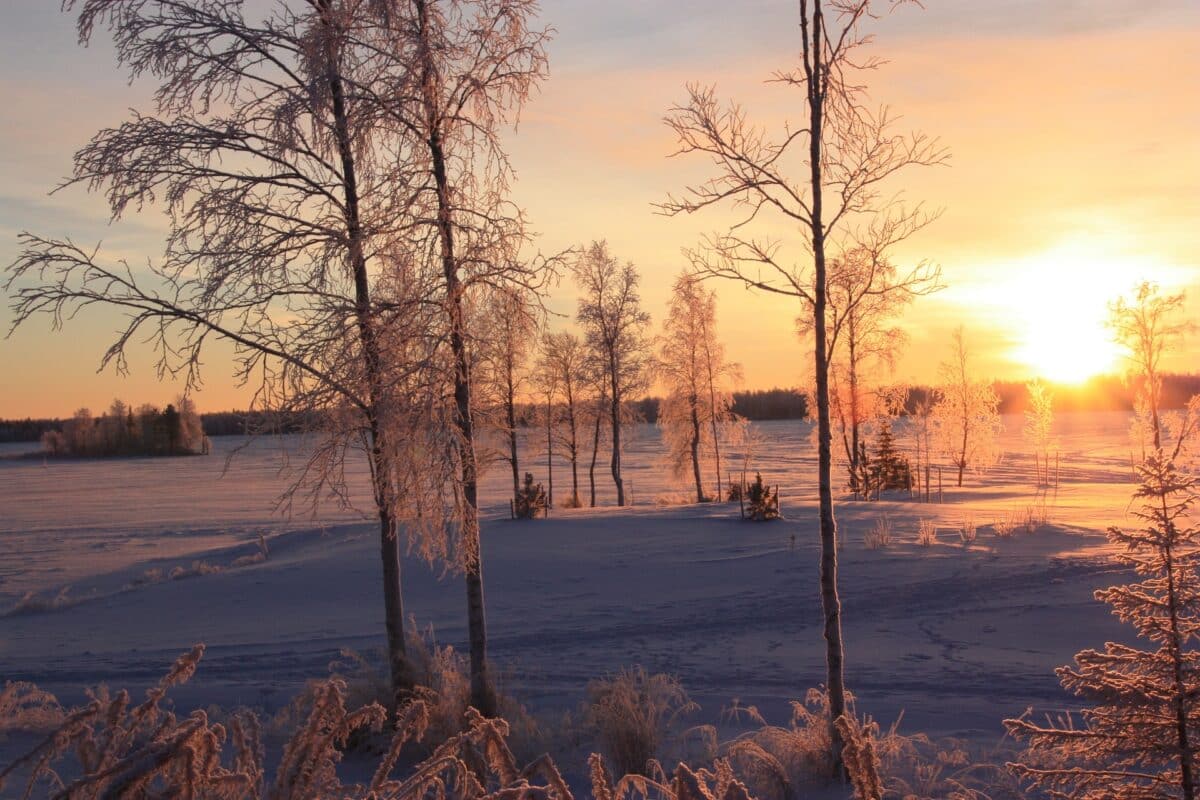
(1055, 307)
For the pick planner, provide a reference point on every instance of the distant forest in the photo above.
(1102, 393)
(127, 431)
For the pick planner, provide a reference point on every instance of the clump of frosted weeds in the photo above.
(967, 530)
(197, 569)
(1035, 517)
(112, 749)
(257, 557)
(25, 707)
(926, 532)
(442, 679)
(31, 603)
(1005, 527)
(880, 534)
(633, 713)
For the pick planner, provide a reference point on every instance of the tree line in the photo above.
(127, 431)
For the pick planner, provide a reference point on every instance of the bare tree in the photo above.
(849, 152)
(473, 66)
(272, 149)
(508, 331)
(1148, 328)
(866, 292)
(561, 364)
(966, 416)
(614, 326)
(691, 363)
(1039, 424)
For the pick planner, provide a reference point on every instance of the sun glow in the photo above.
(1055, 306)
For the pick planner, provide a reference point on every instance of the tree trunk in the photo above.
(549, 457)
(696, 449)
(511, 413)
(830, 603)
(574, 450)
(1179, 701)
(380, 460)
(595, 453)
(483, 695)
(615, 412)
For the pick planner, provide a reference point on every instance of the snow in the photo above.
(957, 637)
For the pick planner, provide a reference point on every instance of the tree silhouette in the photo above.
(848, 151)
(614, 324)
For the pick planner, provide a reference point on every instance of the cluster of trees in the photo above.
(126, 431)
(589, 387)
(339, 207)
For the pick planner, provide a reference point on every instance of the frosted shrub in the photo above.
(966, 530)
(24, 707)
(775, 760)
(1035, 517)
(111, 748)
(633, 712)
(926, 532)
(1005, 526)
(880, 534)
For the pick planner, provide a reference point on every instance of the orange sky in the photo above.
(1074, 173)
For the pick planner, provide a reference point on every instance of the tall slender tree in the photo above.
(614, 325)
(508, 332)
(474, 63)
(866, 293)
(561, 363)
(691, 364)
(1148, 326)
(966, 416)
(848, 151)
(271, 147)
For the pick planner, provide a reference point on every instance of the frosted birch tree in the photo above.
(848, 152)
(1148, 327)
(697, 407)
(562, 365)
(966, 416)
(614, 326)
(1039, 424)
(508, 331)
(866, 293)
(270, 149)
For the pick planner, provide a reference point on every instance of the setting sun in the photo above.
(1055, 308)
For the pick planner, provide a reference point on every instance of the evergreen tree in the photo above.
(1138, 739)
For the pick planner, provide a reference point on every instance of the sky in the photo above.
(1074, 174)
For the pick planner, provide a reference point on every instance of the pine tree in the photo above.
(1138, 739)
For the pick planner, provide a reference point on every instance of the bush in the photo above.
(633, 712)
(880, 534)
(761, 503)
(967, 530)
(926, 533)
(530, 500)
(1005, 527)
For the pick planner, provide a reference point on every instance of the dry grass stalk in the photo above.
(926, 533)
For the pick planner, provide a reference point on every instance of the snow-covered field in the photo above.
(956, 636)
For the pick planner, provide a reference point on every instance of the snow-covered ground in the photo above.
(956, 636)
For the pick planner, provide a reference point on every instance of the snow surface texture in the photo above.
(131, 561)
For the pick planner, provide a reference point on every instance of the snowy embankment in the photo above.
(956, 635)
